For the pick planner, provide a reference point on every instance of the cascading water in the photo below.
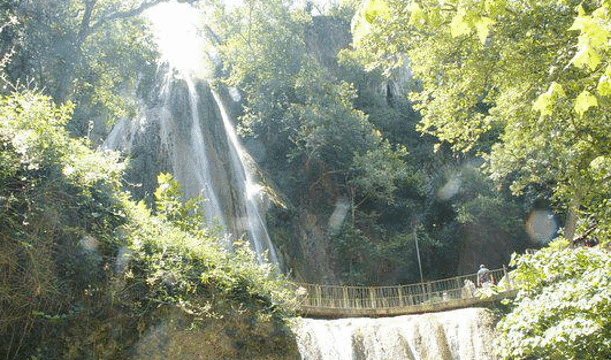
(253, 221)
(464, 334)
(194, 137)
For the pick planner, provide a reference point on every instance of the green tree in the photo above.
(302, 111)
(84, 269)
(506, 81)
(94, 53)
(334, 131)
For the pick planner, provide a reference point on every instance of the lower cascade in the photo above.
(464, 334)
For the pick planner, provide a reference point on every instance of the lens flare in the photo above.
(541, 226)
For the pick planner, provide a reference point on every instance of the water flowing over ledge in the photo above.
(464, 334)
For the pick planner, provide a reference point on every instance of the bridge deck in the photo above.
(334, 301)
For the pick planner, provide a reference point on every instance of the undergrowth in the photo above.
(83, 268)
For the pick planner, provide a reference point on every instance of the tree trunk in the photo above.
(571, 219)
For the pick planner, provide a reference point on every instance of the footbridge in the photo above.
(336, 301)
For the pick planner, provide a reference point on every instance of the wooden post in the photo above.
(318, 296)
(400, 295)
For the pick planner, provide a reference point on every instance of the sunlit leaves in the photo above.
(584, 101)
(459, 26)
(482, 25)
(417, 16)
(604, 86)
(593, 37)
(592, 48)
(376, 9)
(525, 83)
(561, 309)
(464, 23)
(546, 100)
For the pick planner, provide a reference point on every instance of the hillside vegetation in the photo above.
(85, 271)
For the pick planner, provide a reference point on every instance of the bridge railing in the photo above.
(361, 297)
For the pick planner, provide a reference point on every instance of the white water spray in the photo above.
(253, 222)
(464, 334)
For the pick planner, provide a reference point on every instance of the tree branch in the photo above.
(87, 28)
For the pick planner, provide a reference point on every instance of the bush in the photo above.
(561, 311)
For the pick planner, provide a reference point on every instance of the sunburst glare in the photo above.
(178, 32)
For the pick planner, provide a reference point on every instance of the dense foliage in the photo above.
(521, 82)
(525, 84)
(97, 54)
(84, 269)
(338, 139)
(562, 309)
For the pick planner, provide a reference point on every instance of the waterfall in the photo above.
(253, 222)
(189, 157)
(184, 128)
(191, 133)
(464, 334)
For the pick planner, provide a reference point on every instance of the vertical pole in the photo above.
(458, 291)
(318, 296)
(418, 253)
(399, 288)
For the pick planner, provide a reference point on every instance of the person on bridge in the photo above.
(468, 290)
(483, 275)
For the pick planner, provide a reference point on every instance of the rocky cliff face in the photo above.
(185, 130)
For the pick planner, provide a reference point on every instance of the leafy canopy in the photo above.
(531, 76)
(563, 306)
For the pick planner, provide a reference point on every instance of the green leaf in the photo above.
(556, 91)
(417, 17)
(482, 26)
(586, 56)
(604, 86)
(584, 101)
(459, 26)
(601, 165)
(543, 104)
(376, 9)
